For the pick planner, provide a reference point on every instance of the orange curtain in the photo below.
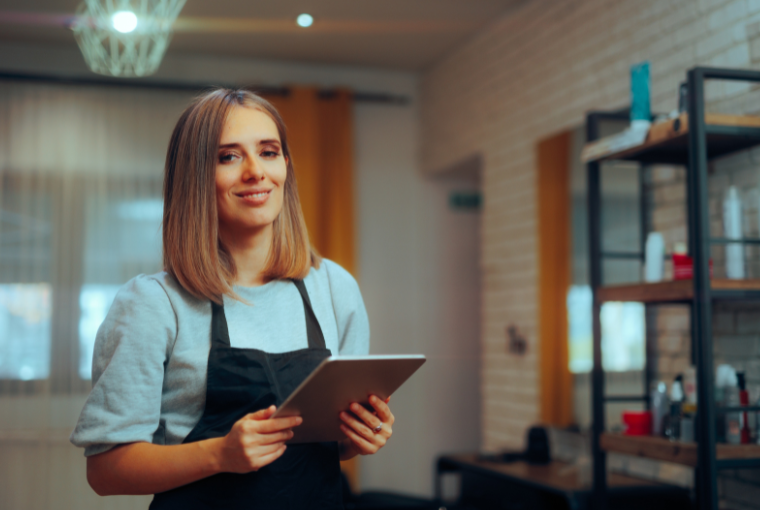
(321, 137)
(553, 187)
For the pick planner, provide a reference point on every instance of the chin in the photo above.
(244, 221)
(258, 223)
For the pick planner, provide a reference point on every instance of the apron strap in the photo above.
(313, 329)
(219, 332)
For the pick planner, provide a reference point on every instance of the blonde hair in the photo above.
(193, 251)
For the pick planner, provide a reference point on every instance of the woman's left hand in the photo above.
(366, 432)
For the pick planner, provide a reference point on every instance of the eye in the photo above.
(270, 154)
(227, 157)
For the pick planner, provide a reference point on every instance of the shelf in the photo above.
(673, 142)
(668, 143)
(678, 291)
(659, 448)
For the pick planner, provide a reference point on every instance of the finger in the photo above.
(364, 415)
(387, 400)
(275, 437)
(278, 424)
(262, 414)
(361, 428)
(362, 444)
(382, 409)
(261, 450)
(270, 457)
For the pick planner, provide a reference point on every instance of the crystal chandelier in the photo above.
(125, 37)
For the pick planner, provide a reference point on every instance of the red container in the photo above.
(683, 267)
(638, 423)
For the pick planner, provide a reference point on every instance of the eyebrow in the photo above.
(268, 141)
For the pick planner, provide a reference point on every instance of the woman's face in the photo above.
(250, 172)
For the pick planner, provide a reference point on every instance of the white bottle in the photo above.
(676, 389)
(654, 257)
(660, 406)
(732, 226)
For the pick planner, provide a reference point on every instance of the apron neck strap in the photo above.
(314, 334)
(313, 330)
(219, 331)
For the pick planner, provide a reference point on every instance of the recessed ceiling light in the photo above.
(304, 20)
(124, 21)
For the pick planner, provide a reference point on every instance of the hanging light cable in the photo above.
(125, 38)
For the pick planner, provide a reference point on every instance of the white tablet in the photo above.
(338, 382)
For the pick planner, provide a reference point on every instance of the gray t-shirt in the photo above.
(151, 352)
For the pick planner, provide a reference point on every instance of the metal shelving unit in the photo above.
(693, 148)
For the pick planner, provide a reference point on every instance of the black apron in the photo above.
(242, 381)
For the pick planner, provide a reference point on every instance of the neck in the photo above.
(249, 250)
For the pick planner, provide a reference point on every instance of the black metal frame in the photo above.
(701, 304)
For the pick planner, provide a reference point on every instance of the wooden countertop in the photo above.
(557, 475)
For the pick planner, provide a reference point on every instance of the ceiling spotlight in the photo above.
(304, 20)
(124, 21)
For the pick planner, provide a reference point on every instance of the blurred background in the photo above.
(418, 129)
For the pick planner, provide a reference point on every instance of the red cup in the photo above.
(638, 423)
(683, 267)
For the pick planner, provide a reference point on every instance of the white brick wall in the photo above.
(530, 74)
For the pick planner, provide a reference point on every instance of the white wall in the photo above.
(417, 269)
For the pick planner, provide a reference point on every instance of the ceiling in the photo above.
(398, 34)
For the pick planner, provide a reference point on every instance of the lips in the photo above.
(257, 194)
(255, 197)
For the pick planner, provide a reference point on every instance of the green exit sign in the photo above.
(465, 200)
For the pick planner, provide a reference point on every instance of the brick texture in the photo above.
(532, 73)
(535, 72)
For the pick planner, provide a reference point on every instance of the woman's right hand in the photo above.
(145, 468)
(255, 441)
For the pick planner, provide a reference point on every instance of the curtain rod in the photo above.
(359, 96)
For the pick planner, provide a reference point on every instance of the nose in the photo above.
(252, 170)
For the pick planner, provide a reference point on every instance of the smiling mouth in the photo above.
(254, 196)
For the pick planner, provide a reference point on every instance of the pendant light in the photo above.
(126, 38)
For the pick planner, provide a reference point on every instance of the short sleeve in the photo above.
(350, 313)
(131, 348)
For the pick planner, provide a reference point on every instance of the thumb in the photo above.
(263, 414)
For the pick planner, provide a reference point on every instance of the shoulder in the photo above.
(140, 294)
(347, 305)
(334, 274)
(157, 290)
(149, 301)
(330, 277)
(145, 288)
(334, 284)
(141, 324)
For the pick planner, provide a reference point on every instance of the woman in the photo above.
(191, 362)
